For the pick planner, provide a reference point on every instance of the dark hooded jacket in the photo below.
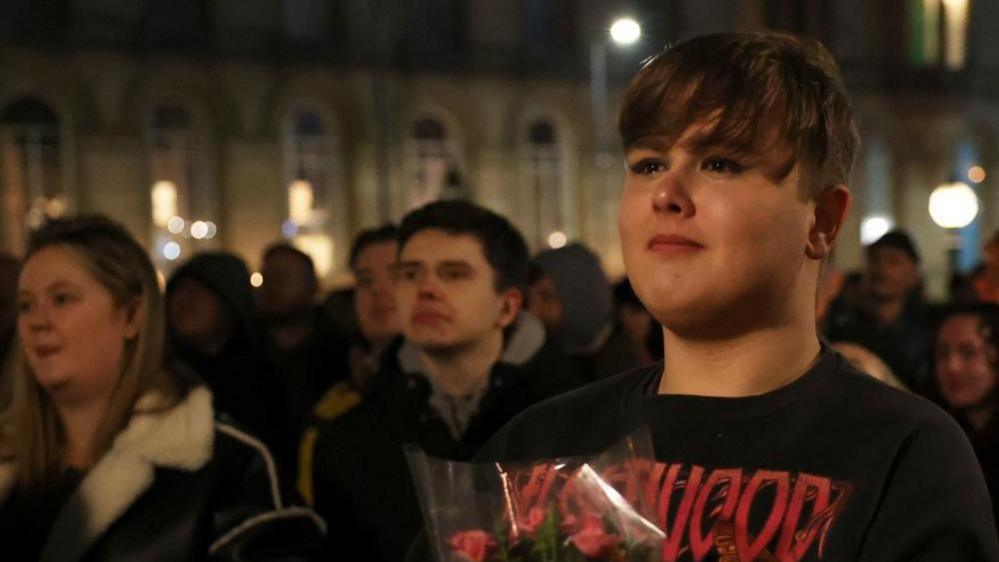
(597, 346)
(242, 381)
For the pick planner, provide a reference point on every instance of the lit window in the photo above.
(317, 202)
(179, 191)
(432, 169)
(938, 33)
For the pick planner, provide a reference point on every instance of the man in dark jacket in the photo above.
(469, 361)
(308, 350)
(893, 320)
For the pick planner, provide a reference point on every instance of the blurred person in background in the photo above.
(469, 361)
(372, 259)
(866, 362)
(106, 451)
(966, 359)
(984, 283)
(210, 326)
(893, 320)
(645, 333)
(10, 268)
(570, 294)
(308, 350)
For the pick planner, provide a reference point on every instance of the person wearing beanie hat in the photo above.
(899, 240)
(571, 295)
(892, 320)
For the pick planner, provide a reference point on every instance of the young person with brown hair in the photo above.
(771, 447)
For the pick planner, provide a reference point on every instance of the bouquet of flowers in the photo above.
(560, 510)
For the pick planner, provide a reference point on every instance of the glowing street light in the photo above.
(557, 239)
(874, 227)
(625, 31)
(953, 205)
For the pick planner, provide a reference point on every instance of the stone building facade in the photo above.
(235, 123)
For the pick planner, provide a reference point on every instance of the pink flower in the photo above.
(535, 517)
(474, 546)
(592, 539)
(569, 524)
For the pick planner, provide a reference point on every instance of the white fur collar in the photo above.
(180, 438)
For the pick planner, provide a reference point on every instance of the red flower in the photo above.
(474, 546)
(592, 539)
(535, 517)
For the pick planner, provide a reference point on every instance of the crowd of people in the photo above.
(209, 417)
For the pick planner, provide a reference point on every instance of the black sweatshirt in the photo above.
(834, 466)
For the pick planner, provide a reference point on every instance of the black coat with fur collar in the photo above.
(178, 485)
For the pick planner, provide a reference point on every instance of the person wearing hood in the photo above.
(571, 295)
(209, 303)
(470, 360)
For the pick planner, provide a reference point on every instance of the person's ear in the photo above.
(135, 315)
(511, 301)
(829, 212)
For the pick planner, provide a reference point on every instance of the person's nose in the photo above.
(37, 318)
(428, 287)
(672, 194)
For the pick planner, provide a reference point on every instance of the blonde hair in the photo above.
(30, 430)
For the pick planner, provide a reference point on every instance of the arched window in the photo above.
(433, 171)
(31, 172)
(183, 205)
(317, 206)
(544, 183)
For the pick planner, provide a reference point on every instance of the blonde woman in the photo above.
(106, 453)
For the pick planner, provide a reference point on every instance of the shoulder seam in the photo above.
(248, 439)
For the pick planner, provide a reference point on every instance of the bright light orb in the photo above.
(199, 229)
(874, 227)
(213, 229)
(557, 239)
(176, 225)
(953, 205)
(976, 174)
(171, 251)
(625, 31)
(257, 279)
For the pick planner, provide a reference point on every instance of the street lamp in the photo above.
(953, 206)
(622, 32)
(625, 31)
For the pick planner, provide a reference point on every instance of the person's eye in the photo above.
(647, 166)
(23, 306)
(722, 166)
(407, 274)
(454, 274)
(61, 299)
